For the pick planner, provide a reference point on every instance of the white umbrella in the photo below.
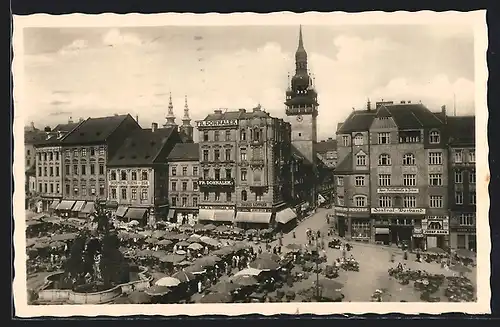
(168, 282)
(133, 223)
(195, 246)
(248, 272)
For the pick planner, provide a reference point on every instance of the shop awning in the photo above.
(171, 214)
(135, 213)
(253, 217)
(224, 215)
(78, 206)
(285, 216)
(121, 210)
(383, 230)
(205, 214)
(54, 204)
(65, 205)
(89, 208)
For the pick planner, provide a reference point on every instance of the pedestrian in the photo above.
(293, 234)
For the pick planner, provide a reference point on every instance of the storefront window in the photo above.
(461, 241)
(360, 229)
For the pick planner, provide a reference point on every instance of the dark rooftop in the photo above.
(33, 137)
(412, 116)
(237, 114)
(57, 134)
(325, 146)
(65, 127)
(185, 152)
(345, 166)
(94, 130)
(358, 120)
(141, 147)
(462, 130)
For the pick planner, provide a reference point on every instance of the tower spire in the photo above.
(170, 114)
(186, 127)
(301, 42)
(186, 111)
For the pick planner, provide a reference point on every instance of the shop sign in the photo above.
(128, 183)
(418, 232)
(212, 183)
(471, 230)
(344, 209)
(407, 211)
(218, 123)
(254, 210)
(216, 207)
(435, 226)
(254, 204)
(397, 190)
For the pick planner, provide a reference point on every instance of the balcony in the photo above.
(259, 142)
(215, 183)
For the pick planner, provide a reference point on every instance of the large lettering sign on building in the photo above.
(397, 190)
(213, 183)
(436, 226)
(218, 123)
(129, 183)
(399, 211)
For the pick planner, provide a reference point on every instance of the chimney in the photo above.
(154, 127)
(137, 118)
(218, 111)
(443, 110)
(409, 101)
(368, 105)
(403, 102)
(32, 125)
(70, 120)
(258, 108)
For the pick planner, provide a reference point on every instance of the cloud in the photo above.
(115, 37)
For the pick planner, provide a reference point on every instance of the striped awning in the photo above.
(224, 215)
(54, 204)
(135, 213)
(253, 217)
(78, 206)
(65, 205)
(120, 212)
(285, 215)
(89, 207)
(205, 214)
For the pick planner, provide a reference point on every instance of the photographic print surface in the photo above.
(230, 164)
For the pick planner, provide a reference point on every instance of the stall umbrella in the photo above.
(57, 245)
(157, 290)
(168, 282)
(195, 246)
(195, 269)
(210, 227)
(158, 234)
(216, 298)
(184, 276)
(248, 272)
(294, 247)
(225, 287)
(164, 243)
(209, 261)
(269, 256)
(172, 258)
(199, 227)
(183, 243)
(464, 253)
(264, 264)
(244, 280)
(138, 297)
(194, 238)
(436, 250)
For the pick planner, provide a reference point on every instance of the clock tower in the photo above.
(302, 106)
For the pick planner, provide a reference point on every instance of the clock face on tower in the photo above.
(299, 118)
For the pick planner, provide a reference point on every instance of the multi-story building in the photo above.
(49, 168)
(137, 174)
(392, 177)
(183, 189)
(32, 135)
(462, 182)
(86, 151)
(326, 153)
(244, 158)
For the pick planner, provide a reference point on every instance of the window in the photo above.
(75, 154)
(184, 171)
(124, 193)
(459, 177)
(243, 135)
(472, 156)
(256, 175)
(144, 176)
(409, 201)
(409, 159)
(144, 193)
(51, 171)
(58, 188)
(206, 173)
(101, 169)
(92, 191)
(51, 188)
(434, 137)
(57, 155)
(123, 175)
(435, 158)
(134, 176)
(243, 154)
(44, 171)
(195, 186)
(84, 152)
(75, 170)
(345, 140)
(216, 155)
(472, 177)
(113, 175)
(360, 201)
(174, 201)
(217, 196)
(384, 179)
(340, 181)
(195, 201)
(75, 190)
(92, 169)
(340, 200)
(134, 194)
(228, 154)
(384, 160)
(459, 197)
(66, 153)
(228, 196)
(409, 180)
(258, 197)
(228, 173)
(359, 181)
(102, 151)
(57, 171)
(67, 187)
(466, 219)
(244, 195)
(195, 171)
(384, 138)
(206, 196)
(28, 152)
(216, 135)
(92, 151)
(174, 171)
(435, 201)
(184, 201)
(40, 171)
(205, 155)
(101, 189)
(51, 156)
(435, 180)
(84, 189)
(173, 186)
(358, 139)
(205, 136)
(28, 163)
(184, 186)
(243, 175)
(472, 197)
(228, 135)
(360, 159)
(458, 156)
(217, 173)
(84, 169)
(385, 201)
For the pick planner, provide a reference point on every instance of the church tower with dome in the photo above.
(302, 106)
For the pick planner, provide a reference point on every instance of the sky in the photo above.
(91, 72)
